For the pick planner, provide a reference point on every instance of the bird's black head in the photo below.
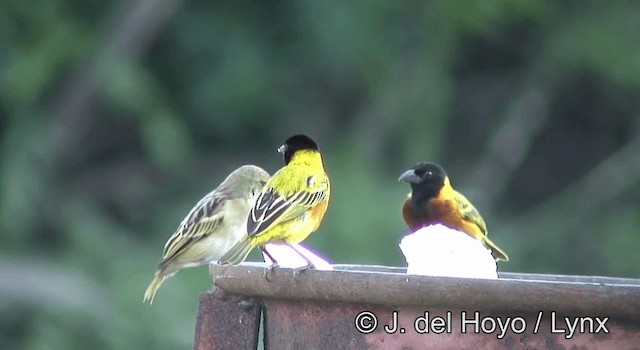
(425, 178)
(296, 143)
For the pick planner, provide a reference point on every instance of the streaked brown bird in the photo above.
(432, 200)
(215, 224)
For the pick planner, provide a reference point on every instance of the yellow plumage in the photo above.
(290, 207)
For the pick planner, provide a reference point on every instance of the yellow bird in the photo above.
(291, 205)
(214, 225)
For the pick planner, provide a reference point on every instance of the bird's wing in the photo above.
(274, 205)
(470, 213)
(203, 219)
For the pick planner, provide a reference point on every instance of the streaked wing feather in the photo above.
(470, 213)
(202, 219)
(267, 210)
(271, 208)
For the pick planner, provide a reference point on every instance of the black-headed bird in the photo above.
(432, 200)
(215, 224)
(291, 205)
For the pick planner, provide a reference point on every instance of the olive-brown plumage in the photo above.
(213, 226)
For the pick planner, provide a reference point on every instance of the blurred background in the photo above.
(116, 117)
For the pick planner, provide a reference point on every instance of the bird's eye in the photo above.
(428, 174)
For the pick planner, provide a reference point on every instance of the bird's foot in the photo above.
(298, 270)
(269, 270)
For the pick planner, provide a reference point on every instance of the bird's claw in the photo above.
(298, 270)
(268, 271)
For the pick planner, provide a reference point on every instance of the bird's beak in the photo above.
(282, 149)
(410, 177)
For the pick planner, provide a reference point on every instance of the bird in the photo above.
(213, 226)
(433, 200)
(291, 205)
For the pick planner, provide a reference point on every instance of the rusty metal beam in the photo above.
(331, 325)
(227, 322)
(505, 275)
(596, 297)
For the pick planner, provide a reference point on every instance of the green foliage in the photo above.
(116, 118)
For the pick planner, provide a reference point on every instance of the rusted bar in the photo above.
(227, 322)
(331, 325)
(592, 298)
(506, 275)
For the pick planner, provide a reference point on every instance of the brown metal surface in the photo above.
(594, 296)
(331, 325)
(321, 310)
(505, 275)
(227, 322)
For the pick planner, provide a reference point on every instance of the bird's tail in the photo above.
(238, 253)
(150, 293)
(497, 253)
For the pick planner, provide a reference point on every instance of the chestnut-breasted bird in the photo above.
(432, 200)
(215, 224)
(291, 205)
